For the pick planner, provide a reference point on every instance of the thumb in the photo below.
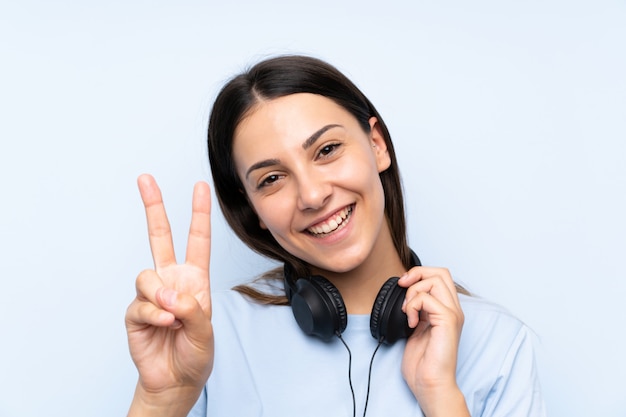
(187, 311)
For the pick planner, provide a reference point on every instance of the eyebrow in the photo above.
(305, 145)
(315, 136)
(262, 164)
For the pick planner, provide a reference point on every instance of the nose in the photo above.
(313, 192)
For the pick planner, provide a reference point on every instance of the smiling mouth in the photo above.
(334, 223)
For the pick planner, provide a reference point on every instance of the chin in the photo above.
(340, 263)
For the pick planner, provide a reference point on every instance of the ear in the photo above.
(377, 140)
(262, 225)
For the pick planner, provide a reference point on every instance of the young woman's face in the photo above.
(311, 175)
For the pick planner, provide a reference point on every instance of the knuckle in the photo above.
(457, 318)
(130, 311)
(445, 274)
(144, 278)
(134, 312)
(410, 293)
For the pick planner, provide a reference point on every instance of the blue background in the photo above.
(509, 119)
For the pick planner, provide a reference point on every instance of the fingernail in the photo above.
(169, 296)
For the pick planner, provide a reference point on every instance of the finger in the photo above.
(422, 326)
(159, 231)
(143, 313)
(435, 286)
(187, 310)
(147, 284)
(414, 310)
(150, 309)
(199, 241)
(433, 309)
(419, 273)
(144, 310)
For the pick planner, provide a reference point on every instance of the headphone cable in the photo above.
(369, 376)
(349, 373)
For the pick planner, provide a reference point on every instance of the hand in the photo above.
(430, 357)
(169, 322)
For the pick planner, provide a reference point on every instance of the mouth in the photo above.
(335, 222)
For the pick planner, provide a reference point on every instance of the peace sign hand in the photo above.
(169, 322)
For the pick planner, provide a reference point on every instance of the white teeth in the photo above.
(332, 224)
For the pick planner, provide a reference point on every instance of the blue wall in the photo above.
(509, 120)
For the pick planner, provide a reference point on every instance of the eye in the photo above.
(268, 180)
(328, 149)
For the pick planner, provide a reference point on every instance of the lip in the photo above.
(323, 221)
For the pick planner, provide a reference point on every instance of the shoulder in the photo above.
(232, 301)
(496, 361)
(233, 312)
(492, 338)
(477, 308)
(489, 328)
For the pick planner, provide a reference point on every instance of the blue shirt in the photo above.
(266, 366)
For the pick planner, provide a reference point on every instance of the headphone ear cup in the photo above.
(318, 307)
(387, 321)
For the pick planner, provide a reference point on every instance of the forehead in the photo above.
(288, 119)
(290, 113)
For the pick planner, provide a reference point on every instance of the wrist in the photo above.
(443, 401)
(173, 402)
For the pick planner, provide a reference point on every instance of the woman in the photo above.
(305, 173)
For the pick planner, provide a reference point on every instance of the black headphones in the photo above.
(320, 310)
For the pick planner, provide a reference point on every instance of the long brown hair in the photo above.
(267, 80)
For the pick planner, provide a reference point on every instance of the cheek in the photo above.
(360, 173)
(272, 216)
(369, 183)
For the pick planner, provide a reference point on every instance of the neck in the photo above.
(360, 286)
(360, 293)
